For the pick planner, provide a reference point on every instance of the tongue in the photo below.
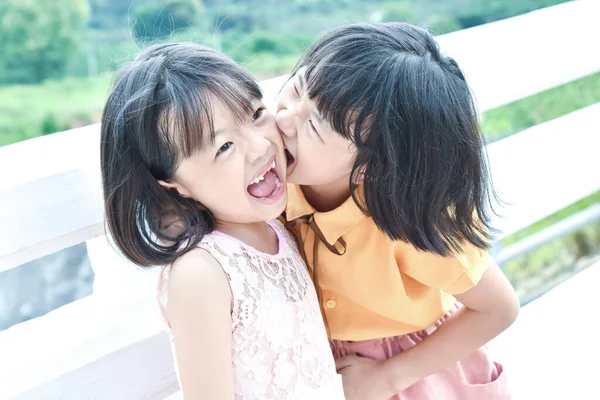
(263, 188)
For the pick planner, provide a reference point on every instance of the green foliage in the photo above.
(158, 20)
(267, 65)
(28, 111)
(440, 24)
(402, 11)
(108, 14)
(544, 267)
(236, 18)
(50, 125)
(542, 107)
(266, 36)
(552, 219)
(475, 12)
(262, 42)
(38, 38)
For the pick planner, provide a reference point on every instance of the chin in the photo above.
(280, 208)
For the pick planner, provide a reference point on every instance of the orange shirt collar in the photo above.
(334, 224)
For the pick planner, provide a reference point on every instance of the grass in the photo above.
(538, 270)
(552, 219)
(512, 118)
(540, 266)
(28, 111)
(522, 114)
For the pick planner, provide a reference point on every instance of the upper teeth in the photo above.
(262, 177)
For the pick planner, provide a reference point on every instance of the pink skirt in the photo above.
(477, 377)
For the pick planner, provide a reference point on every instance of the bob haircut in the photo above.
(158, 113)
(410, 113)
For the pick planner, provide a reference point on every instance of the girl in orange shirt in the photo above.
(393, 212)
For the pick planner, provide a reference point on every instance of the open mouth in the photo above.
(268, 185)
(289, 157)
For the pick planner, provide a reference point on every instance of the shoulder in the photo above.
(197, 276)
(195, 264)
(453, 274)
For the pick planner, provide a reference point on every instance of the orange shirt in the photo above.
(378, 287)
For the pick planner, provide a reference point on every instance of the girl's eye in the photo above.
(313, 128)
(257, 114)
(224, 148)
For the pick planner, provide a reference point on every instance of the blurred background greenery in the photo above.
(57, 57)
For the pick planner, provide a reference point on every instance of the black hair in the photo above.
(158, 113)
(410, 113)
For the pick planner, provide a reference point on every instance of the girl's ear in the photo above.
(181, 189)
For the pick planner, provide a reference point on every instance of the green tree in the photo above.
(262, 42)
(402, 11)
(477, 12)
(109, 13)
(440, 24)
(38, 38)
(159, 19)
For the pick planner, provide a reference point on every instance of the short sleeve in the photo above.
(453, 274)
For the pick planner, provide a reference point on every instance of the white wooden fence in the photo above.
(111, 345)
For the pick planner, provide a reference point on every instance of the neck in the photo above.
(325, 198)
(255, 234)
(236, 229)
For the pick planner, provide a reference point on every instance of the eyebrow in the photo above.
(302, 80)
(294, 84)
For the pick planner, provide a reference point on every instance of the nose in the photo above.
(285, 122)
(258, 147)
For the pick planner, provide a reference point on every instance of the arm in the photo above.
(199, 311)
(489, 308)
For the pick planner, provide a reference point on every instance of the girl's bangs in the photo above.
(188, 124)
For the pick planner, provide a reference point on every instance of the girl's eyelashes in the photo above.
(224, 148)
(314, 129)
(257, 114)
(255, 117)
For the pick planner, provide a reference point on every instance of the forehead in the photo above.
(224, 117)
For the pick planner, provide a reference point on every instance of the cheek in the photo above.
(307, 153)
(221, 184)
(335, 161)
(315, 161)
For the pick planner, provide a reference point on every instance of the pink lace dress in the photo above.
(279, 344)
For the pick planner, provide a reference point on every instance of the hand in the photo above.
(363, 378)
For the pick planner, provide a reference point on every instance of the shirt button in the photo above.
(330, 303)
